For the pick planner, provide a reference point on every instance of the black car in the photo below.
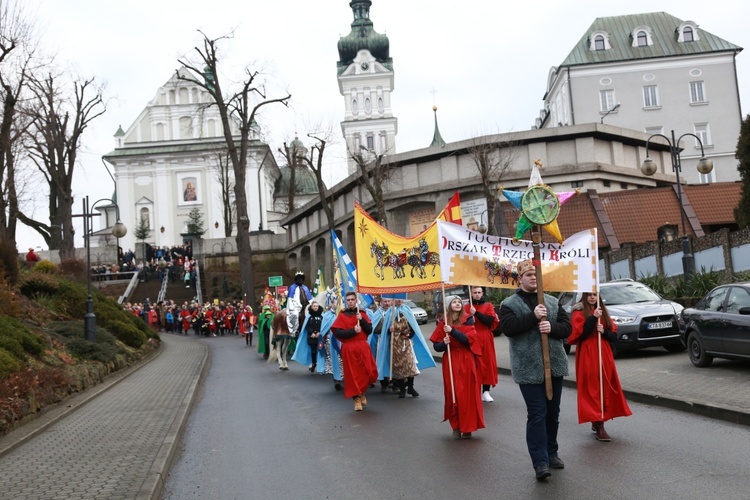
(643, 317)
(719, 326)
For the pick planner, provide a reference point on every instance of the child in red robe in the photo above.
(457, 335)
(590, 321)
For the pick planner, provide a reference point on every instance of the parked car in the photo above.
(419, 314)
(643, 317)
(437, 300)
(719, 325)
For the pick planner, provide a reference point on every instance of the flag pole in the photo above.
(536, 239)
(390, 363)
(450, 361)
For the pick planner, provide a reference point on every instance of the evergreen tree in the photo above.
(141, 232)
(742, 212)
(195, 223)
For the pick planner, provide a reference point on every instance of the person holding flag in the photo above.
(485, 321)
(524, 320)
(456, 337)
(600, 395)
(351, 328)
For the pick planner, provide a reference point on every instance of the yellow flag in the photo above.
(389, 263)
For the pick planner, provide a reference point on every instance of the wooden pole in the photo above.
(536, 239)
(450, 361)
(601, 369)
(393, 321)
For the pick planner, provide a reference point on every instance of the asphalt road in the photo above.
(259, 433)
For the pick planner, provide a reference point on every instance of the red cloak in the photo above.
(470, 414)
(487, 362)
(587, 376)
(360, 369)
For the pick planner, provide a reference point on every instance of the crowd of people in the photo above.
(361, 347)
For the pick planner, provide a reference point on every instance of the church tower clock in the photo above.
(365, 74)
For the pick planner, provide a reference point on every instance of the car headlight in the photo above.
(621, 320)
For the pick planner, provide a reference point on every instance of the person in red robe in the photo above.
(351, 328)
(591, 321)
(186, 318)
(485, 320)
(456, 334)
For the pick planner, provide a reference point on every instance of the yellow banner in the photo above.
(389, 263)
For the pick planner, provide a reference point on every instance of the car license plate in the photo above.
(659, 325)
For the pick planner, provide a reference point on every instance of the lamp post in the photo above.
(118, 231)
(704, 166)
(482, 226)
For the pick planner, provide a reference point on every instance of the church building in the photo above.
(168, 162)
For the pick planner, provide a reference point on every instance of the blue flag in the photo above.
(347, 273)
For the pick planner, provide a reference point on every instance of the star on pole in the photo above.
(539, 205)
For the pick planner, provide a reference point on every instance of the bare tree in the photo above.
(225, 178)
(240, 108)
(315, 163)
(375, 173)
(57, 124)
(293, 157)
(492, 160)
(17, 56)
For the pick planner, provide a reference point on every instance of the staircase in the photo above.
(146, 290)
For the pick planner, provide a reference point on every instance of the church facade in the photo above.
(167, 163)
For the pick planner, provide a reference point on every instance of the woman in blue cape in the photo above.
(409, 353)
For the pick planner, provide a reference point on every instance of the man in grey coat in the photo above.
(520, 316)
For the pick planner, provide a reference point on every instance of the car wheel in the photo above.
(697, 352)
(676, 347)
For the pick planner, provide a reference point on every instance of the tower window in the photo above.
(370, 142)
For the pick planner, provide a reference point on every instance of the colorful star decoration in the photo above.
(539, 205)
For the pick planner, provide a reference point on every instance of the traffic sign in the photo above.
(275, 280)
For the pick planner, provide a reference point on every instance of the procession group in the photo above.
(360, 347)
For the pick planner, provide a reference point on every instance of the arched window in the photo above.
(642, 39)
(687, 34)
(355, 108)
(599, 42)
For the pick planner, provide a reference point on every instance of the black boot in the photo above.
(401, 387)
(410, 385)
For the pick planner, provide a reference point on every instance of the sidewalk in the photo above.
(117, 439)
(655, 376)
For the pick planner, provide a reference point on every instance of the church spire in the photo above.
(437, 139)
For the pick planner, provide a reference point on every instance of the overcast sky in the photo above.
(483, 62)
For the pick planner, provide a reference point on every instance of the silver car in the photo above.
(643, 317)
(419, 314)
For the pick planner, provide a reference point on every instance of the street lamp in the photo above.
(704, 167)
(118, 231)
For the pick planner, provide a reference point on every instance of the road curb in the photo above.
(153, 485)
(696, 408)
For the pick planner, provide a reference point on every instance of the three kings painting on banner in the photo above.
(450, 253)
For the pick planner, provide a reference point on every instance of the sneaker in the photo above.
(357, 404)
(542, 472)
(486, 397)
(556, 463)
